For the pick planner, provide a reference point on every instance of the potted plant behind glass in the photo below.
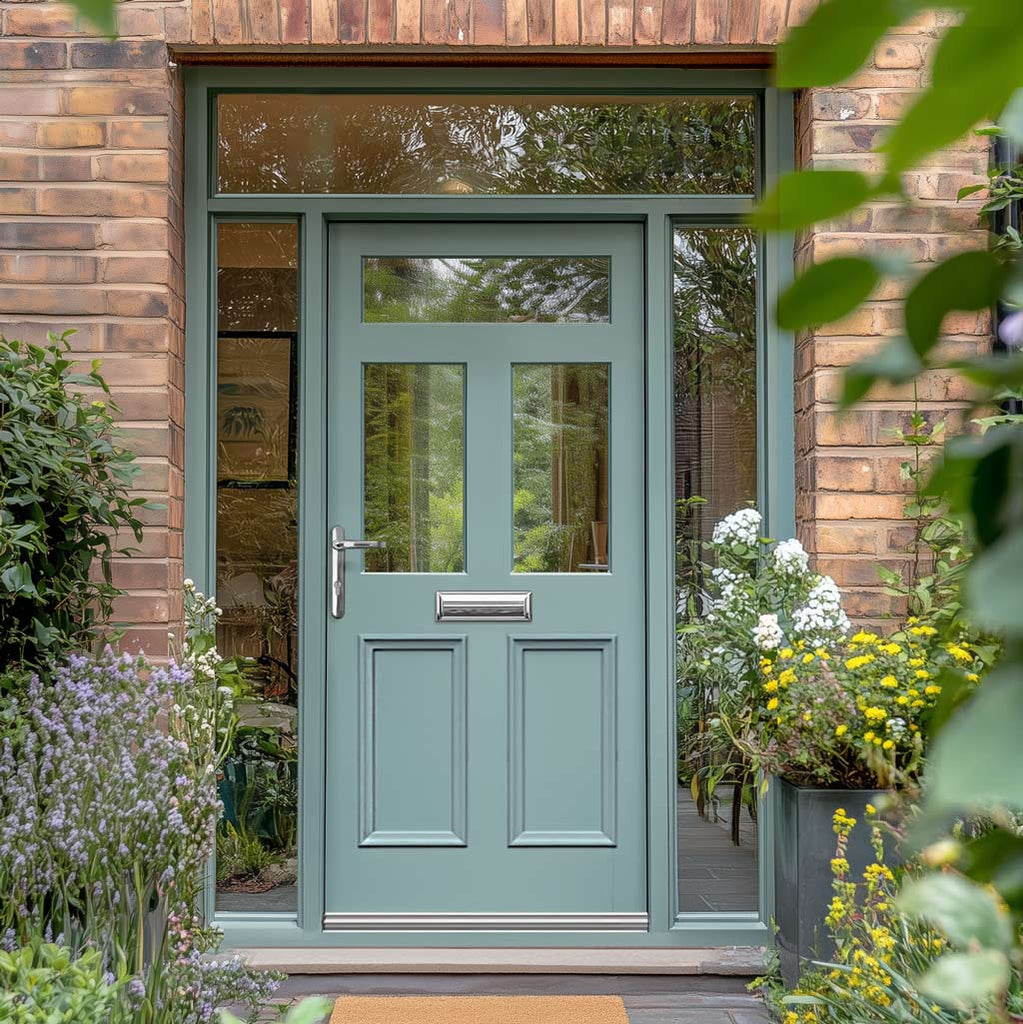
(834, 726)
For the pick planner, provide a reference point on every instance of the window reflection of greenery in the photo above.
(414, 466)
(560, 464)
(715, 395)
(544, 145)
(555, 289)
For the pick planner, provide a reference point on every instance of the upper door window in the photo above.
(353, 143)
(485, 290)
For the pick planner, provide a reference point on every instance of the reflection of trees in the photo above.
(414, 452)
(486, 290)
(715, 339)
(380, 144)
(560, 464)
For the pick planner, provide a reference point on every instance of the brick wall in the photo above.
(91, 229)
(849, 488)
(91, 238)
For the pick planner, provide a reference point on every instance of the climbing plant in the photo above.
(976, 766)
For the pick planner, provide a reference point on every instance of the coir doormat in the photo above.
(479, 1010)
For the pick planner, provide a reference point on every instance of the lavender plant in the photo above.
(108, 811)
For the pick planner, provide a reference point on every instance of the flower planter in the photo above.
(804, 846)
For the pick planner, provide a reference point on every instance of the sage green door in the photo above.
(486, 691)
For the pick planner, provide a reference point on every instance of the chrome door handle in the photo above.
(338, 547)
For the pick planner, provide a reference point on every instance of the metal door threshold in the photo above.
(744, 961)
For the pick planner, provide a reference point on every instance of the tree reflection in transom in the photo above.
(505, 289)
(435, 144)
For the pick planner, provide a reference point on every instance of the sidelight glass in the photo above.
(256, 560)
(414, 466)
(715, 418)
(321, 142)
(479, 290)
(560, 459)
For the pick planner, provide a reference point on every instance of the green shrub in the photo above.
(43, 984)
(64, 495)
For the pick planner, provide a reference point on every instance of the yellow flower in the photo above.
(902, 701)
(786, 653)
(890, 648)
(841, 730)
(787, 676)
(923, 631)
(918, 704)
(875, 714)
(839, 865)
(922, 673)
(807, 658)
(822, 653)
(912, 620)
(859, 661)
(972, 677)
(932, 691)
(868, 736)
(959, 653)
(871, 809)
(772, 704)
(771, 686)
(807, 717)
(890, 682)
(864, 638)
(888, 744)
(915, 662)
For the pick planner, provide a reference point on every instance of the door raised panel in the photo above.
(412, 779)
(562, 741)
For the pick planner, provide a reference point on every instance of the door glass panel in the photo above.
(560, 467)
(257, 560)
(478, 290)
(414, 466)
(715, 413)
(541, 145)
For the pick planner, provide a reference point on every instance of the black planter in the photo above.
(804, 847)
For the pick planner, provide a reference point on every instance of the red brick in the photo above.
(32, 56)
(102, 201)
(116, 99)
(121, 53)
(70, 134)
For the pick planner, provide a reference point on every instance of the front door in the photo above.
(486, 689)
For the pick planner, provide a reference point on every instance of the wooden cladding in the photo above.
(487, 24)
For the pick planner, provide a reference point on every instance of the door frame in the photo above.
(314, 214)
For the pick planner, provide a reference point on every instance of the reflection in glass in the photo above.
(257, 573)
(414, 466)
(560, 467)
(543, 145)
(480, 290)
(715, 413)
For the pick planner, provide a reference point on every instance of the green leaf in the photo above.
(977, 759)
(1011, 120)
(310, 1011)
(970, 190)
(974, 75)
(969, 281)
(965, 912)
(966, 979)
(834, 42)
(826, 292)
(896, 362)
(803, 198)
(99, 13)
(993, 586)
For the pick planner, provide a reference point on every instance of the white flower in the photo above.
(189, 584)
(767, 634)
(790, 558)
(741, 527)
(822, 617)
